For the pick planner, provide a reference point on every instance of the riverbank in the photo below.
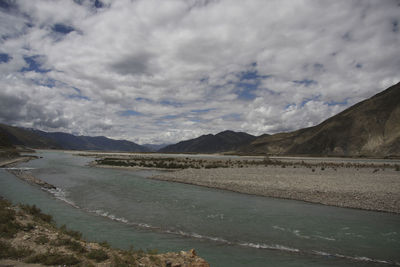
(360, 188)
(29, 236)
(15, 161)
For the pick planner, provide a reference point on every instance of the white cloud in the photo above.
(179, 67)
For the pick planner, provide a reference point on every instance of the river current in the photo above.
(126, 208)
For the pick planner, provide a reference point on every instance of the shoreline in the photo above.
(31, 238)
(46, 230)
(362, 189)
(14, 161)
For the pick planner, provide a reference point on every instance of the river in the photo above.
(125, 208)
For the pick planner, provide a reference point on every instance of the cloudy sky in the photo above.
(163, 71)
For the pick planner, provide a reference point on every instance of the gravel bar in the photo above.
(364, 188)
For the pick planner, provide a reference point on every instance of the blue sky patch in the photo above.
(335, 103)
(98, 4)
(232, 117)
(62, 28)
(144, 100)
(33, 64)
(169, 117)
(306, 82)
(306, 100)
(45, 82)
(129, 112)
(290, 105)
(78, 95)
(4, 58)
(171, 103)
(249, 82)
(202, 110)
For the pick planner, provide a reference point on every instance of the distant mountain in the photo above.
(39, 139)
(369, 128)
(223, 141)
(4, 141)
(154, 147)
(22, 137)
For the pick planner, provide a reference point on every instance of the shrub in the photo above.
(98, 255)
(127, 261)
(71, 233)
(8, 226)
(71, 244)
(9, 252)
(36, 213)
(105, 244)
(53, 259)
(41, 240)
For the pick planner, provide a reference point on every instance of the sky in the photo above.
(161, 71)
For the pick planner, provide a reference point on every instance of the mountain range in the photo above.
(369, 128)
(32, 138)
(221, 142)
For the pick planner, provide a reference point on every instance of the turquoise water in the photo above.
(227, 229)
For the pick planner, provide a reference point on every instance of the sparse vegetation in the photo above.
(41, 240)
(105, 244)
(71, 233)
(53, 259)
(10, 252)
(36, 213)
(30, 236)
(8, 225)
(71, 244)
(98, 255)
(176, 163)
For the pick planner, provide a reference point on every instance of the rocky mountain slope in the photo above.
(39, 139)
(223, 141)
(369, 128)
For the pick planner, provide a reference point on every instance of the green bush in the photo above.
(53, 259)
(71, 244)
(128, 261)
(71, 233)
(36, 213)
(98, 255)
(8, 226)
(104, 244)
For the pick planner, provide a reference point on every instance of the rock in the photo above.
(192, 253)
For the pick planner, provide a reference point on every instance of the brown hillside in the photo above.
(369, 128)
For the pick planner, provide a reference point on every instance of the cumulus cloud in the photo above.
(162, 71)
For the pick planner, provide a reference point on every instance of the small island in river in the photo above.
(361, 184)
